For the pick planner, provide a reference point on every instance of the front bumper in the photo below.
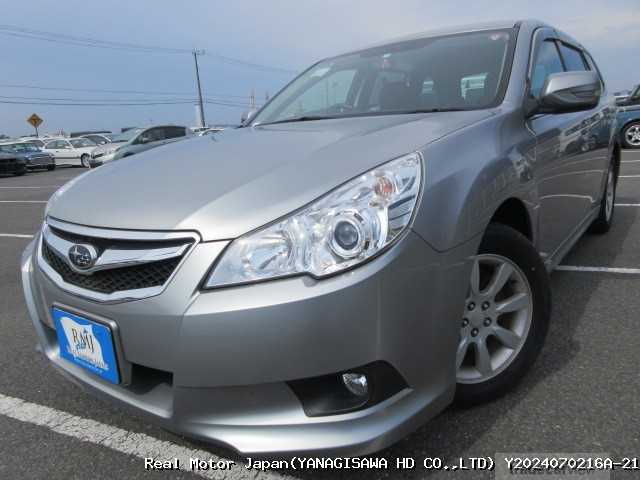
(214, 365)
(100, 159)
(40, 162)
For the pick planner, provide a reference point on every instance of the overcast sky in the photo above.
(288, 34)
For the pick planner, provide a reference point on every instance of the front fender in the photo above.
(470, 173)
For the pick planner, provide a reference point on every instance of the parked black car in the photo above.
(12, 163)
(33, 156)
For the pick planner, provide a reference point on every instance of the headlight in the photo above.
(339, 230)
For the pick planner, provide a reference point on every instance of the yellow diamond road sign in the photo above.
(35, 120)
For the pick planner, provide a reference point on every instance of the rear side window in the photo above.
(155, 134)
(573, 59)
(547, 62)
(174, 132)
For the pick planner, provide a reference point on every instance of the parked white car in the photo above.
(98, 138)
(74, 151)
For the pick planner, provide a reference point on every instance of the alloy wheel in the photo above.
(633, 135)
(496, 320)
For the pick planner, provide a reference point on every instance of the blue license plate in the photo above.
(86, 343)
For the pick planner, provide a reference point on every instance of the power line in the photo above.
(85, 41)
(101, 103)
(97, 90)
(114, 104)
(105, 100)
(32, 34)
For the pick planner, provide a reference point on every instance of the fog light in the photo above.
(356, 383)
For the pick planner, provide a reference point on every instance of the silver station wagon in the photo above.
(370, 246)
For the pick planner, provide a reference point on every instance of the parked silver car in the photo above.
(137, 140)
(373, 244)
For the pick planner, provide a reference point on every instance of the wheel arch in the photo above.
(617, 158)
(513, 213)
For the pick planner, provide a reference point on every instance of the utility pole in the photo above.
(201, 104)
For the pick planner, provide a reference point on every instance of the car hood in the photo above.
(227, 184)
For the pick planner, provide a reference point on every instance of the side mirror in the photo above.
(570, 92)
(143, 139)
(248, 115)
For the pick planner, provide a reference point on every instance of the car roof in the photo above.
(473, 27)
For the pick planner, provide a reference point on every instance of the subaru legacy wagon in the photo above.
(370, 246)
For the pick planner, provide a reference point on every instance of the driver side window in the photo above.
(547, 62)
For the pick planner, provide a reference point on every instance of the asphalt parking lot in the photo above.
(581, 396)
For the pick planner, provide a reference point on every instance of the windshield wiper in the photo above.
(433, 110)
(303, 118)
(308, 118)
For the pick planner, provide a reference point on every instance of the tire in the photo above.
(631, 135)
(524, 329)
(51, 167)
(19, 173)
(84, 160)
(603, 222)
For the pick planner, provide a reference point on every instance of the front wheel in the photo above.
(51, 167)
(505, 318)
(84, 160)
(631, 135)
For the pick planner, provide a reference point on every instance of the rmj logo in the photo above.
(83, 340)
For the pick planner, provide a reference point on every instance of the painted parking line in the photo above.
(23, 201)
(629, 161)
(629, 176)
(627, 204)
(15, 235)
(137, 444)
(573, 268)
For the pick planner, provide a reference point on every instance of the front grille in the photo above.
(116, 279)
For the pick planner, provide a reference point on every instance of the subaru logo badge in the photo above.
(82, 256)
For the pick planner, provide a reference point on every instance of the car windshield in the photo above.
(126, 136)
(7, 149)
(23, 147)
(455, 72)
(83, 142)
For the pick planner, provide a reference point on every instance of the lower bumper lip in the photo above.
(224, 357)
